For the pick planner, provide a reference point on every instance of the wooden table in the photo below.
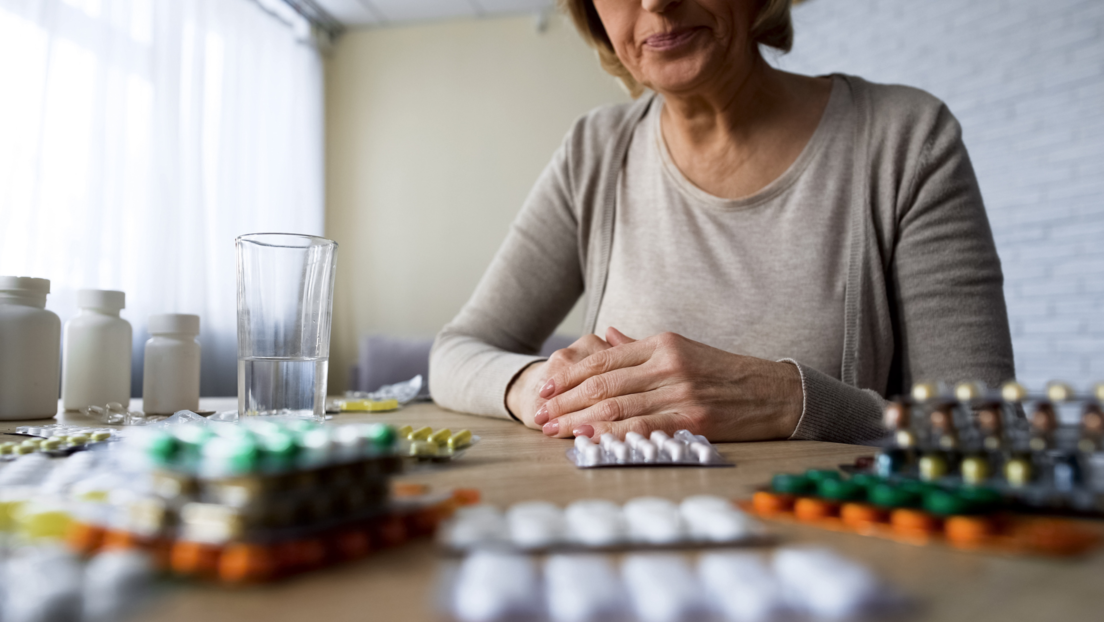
(514, 464)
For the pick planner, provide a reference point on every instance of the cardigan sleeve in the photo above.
(946, 294)
(531, 285)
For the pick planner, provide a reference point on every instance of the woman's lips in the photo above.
(671, 40)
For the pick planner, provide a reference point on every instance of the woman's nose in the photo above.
(659, 6)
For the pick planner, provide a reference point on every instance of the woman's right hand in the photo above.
(523, 395)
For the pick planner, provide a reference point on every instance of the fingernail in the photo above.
(584, 430)
(552, 428)
(541, 417)
(548, 389)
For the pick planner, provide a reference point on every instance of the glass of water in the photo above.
(285, 302)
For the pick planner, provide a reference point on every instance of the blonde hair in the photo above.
(772, 27)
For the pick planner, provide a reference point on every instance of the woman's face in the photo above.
(679, 46)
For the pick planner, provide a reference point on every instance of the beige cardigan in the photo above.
(924, 297)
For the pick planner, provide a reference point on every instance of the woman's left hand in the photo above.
(668, 382)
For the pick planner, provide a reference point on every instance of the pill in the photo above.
(932, 467)
(582, 442)
(7, 448)
(78, 439)
(420, 434)
(658, 437)
(592, 455)
(653, 520)
(405, 431)
(461, 439)
(474, 525)
(440, 437)
(675, 449)
(22, 450)
(742, 585)
(60, 437)
(646, 452)
(51, 445)
(824, 583)
(535, 524)
(702, 453)
(34, 443)
(662, 588)
(632, 438)
(714, 519)
(621, 451)
(581, 588)
(101, 436)
(496, 586)
(606, 439)
(595, 522)
(423, 449)
(975, 470)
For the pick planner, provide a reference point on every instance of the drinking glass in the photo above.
(285, 303)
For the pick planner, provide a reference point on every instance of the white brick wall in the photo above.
(1026, 80)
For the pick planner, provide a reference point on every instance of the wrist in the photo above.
(515, 392)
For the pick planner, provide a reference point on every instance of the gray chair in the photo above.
(386, 360)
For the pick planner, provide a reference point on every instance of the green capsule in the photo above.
(839, 489)
(887, 495)
(790, 484)
(866, 480)
(819, 475)
(382, 436)
(945, 503)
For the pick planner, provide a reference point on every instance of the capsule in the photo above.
(1017, 472)
(423, 448)
(1059, 392)
(461, 439)
(932, 467)
(421, 434)
(51, 445)
(440, 437)
(975, 470)
(969, 391)
(923, 391)
(405, 431)
(101, 436)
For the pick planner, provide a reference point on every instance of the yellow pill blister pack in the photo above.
(426, 444)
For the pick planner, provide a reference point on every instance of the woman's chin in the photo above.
(684, 76)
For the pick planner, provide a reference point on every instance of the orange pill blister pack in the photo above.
(992, 533)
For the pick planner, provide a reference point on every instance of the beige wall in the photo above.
(434, 135)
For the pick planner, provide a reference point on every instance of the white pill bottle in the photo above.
(95, 368)
(30, 337)
(171, 371)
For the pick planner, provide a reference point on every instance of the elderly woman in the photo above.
(777, 252)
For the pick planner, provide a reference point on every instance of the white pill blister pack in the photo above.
(601, 525)
(659, 449)
(792, 584)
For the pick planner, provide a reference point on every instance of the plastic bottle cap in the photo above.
(25, 284)
(101, 299)
(163, 323)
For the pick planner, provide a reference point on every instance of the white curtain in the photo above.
(138, 138)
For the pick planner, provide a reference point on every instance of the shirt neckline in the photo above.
(771, 190)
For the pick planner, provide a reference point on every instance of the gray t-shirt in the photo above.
(768, 270)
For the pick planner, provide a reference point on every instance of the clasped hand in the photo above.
(666, 382)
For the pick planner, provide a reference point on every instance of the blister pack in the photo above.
(659, 449)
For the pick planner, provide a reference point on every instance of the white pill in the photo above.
(646, 452)
(742, 585)
(718, 525)
(676, 450)
(535, 524)
(704, 453)
(687, 437)
(658, 437)
(591, 455)
(621, 451)
(606, 439)
(595, 522)
(476, 525)
(826, 584)
(662, 588)
(494, 586)
(582, 442)
(581, 588)
(653, 520)
(632, 438)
